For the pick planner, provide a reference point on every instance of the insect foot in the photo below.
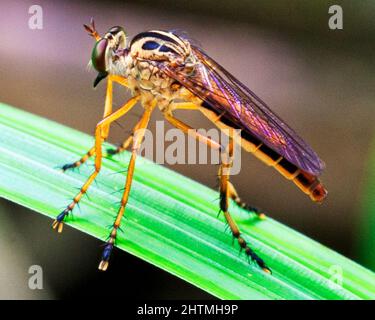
(58, 222)
(68, 166)
(251, 254)
(108, 247)
(112, 151)
(103, 265)
(261, 215)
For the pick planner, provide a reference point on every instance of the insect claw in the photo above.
(267, 270)
(58, 226)
(255, 210)
(67, 166)
(261, 216)
(261, 264)
(111, 151)
(103, 265)
(58, 223)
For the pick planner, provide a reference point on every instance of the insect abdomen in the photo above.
(308, 183)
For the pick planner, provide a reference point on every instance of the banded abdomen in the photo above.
(307, 182)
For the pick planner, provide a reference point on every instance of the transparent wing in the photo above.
(184, 35)
(233, 100)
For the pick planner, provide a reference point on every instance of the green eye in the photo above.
(98, 55)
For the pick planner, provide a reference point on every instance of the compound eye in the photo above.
(99, 54)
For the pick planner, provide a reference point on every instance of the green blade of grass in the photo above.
(366, 241)
(171, 221)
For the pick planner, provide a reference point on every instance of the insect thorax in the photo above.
(146, 77)
(146, 51)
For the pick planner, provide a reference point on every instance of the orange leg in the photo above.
(235, 197)
(226, 188)
(126, 143)
(99, 138)
(105, 129)
(216, 120)
(138, 135)
(227, 191)
(191, 132)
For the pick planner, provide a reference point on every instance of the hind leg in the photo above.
(234, 196)
(215, 119)
(226, 192)
(226, 188)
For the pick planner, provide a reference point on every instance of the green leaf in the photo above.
(366, 241)
(171, 221)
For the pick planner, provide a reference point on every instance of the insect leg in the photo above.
(107, 111)
(235, 197)
(137, 140)
(232, 191)
(126, 143)
(225, 190)
(99, 138)
(191, 132)
(225, 186)
(183, 106)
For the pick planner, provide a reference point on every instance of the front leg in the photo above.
(99, 138)
(105, 130)
(138, 134)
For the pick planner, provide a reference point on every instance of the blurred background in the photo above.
(320, 81)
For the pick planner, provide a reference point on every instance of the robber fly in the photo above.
(167, 70)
